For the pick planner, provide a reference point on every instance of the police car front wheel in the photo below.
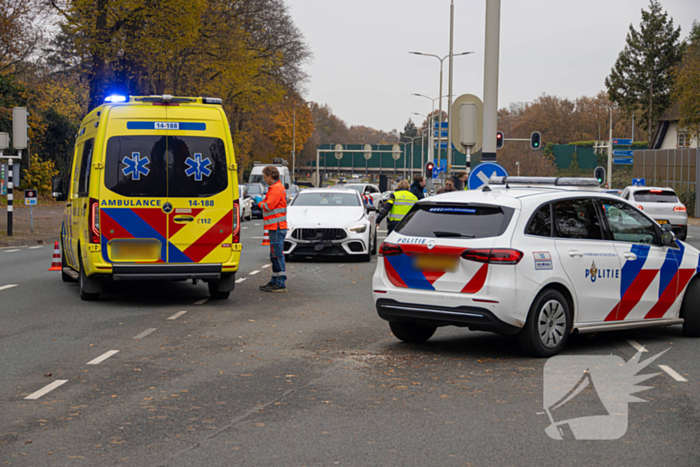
(689, 310)
(548, 324)
(412, 333)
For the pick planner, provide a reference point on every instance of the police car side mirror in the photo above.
(668, 238)
(371, 207)
(57, 190)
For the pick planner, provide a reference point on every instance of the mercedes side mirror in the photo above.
(57, 190)
(668, 238)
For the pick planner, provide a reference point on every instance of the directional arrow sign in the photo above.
(443, 124)
(623, 153)
(623, 161)
(481, 174)
(622, 141)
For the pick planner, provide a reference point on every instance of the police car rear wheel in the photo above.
(374, 243)
(689, 310)
(412, 333)
(547, 328)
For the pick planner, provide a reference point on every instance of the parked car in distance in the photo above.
(246, 203)
(368, 191)
(662, 205)
(257, 192)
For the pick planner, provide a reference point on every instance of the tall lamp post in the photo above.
(432, 118)
(294, 140)
(412, 138)
(422, 134)
(450, 55)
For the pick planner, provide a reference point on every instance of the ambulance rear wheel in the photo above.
(412, 333)
(221, 289)
(689, 310)
(548, 324)
(89, 288)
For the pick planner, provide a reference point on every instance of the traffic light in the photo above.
(429, 166)
(599, 174)
(535, 140)
(499, 139)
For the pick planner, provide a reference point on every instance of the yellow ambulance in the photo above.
(152, 195)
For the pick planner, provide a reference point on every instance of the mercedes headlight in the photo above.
(358, 228)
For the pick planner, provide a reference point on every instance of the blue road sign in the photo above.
(443, 145)
(623, 160)
(443, 163)
(623, 153)
(639, 181)
(444, 134)
(481, 173)
(443, 124)
(622, 141)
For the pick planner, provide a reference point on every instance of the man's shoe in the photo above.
(276, 288)
(267, 286)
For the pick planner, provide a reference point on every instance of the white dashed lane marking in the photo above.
(637, 345)
(266, 266)
(202, 301)
(10, 251)
(178, 314)
(35, 247)
(8, 286)
(673, 373)
(252, 273)
(238, 281)
(145, 333)
(46, 389)
(102, 357)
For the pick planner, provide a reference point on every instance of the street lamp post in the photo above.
(450, 55)
(412, 138)
(432, 118)
(294, 140)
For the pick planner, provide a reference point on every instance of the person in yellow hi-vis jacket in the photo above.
(397, 206)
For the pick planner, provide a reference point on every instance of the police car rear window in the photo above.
(455, 221)
(160, 166)
(655, 196)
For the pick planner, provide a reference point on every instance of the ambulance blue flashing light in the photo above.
(115, 99)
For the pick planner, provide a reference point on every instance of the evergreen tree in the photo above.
(409, 131)
(641, 77)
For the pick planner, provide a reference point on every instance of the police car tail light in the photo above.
(94, 221)
(679, 208)
(493, 255)
(236, 222)
(639, 206)
(390, 249)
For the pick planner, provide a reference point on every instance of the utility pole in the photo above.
(449, 91)
(491, 51)
(610, 152)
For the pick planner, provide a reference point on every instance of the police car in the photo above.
(538, 258)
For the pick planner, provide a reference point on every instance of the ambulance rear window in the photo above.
(194, 167)
(455, 221)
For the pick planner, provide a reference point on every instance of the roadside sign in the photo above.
(639, 182)
(30, 197)
(443, 135)
(481, 173)
(623, 160)
(623, 141)
(623, 153)
(443, 145)
(443, 124)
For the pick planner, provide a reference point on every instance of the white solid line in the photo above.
(178, 314)
(102, 357)
(257, 237)
(9, 286)
(145, 333)
(46, 389)
(637, 345)
(672, 373)
(35, 247)
(202, 301)
(266, 266)
(10, 251)
(238, 281)
(252, 273)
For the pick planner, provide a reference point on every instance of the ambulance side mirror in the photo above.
(57, 190)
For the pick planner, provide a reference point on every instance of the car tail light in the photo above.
(390, 249)
(655, 191)
(639, 206)
(493, 255)
(679, 208)
(236, 221)
(94, 221)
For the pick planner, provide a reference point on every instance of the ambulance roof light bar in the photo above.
(550, 181)
(116, 99)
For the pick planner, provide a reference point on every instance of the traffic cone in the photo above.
(266, 238)
(56, 262)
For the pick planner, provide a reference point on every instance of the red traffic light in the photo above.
(499, 140)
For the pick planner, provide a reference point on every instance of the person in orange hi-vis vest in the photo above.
(274, 209)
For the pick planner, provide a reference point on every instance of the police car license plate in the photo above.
(436, 263)
(662, 221)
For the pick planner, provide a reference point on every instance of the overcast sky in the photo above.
(362, 68)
